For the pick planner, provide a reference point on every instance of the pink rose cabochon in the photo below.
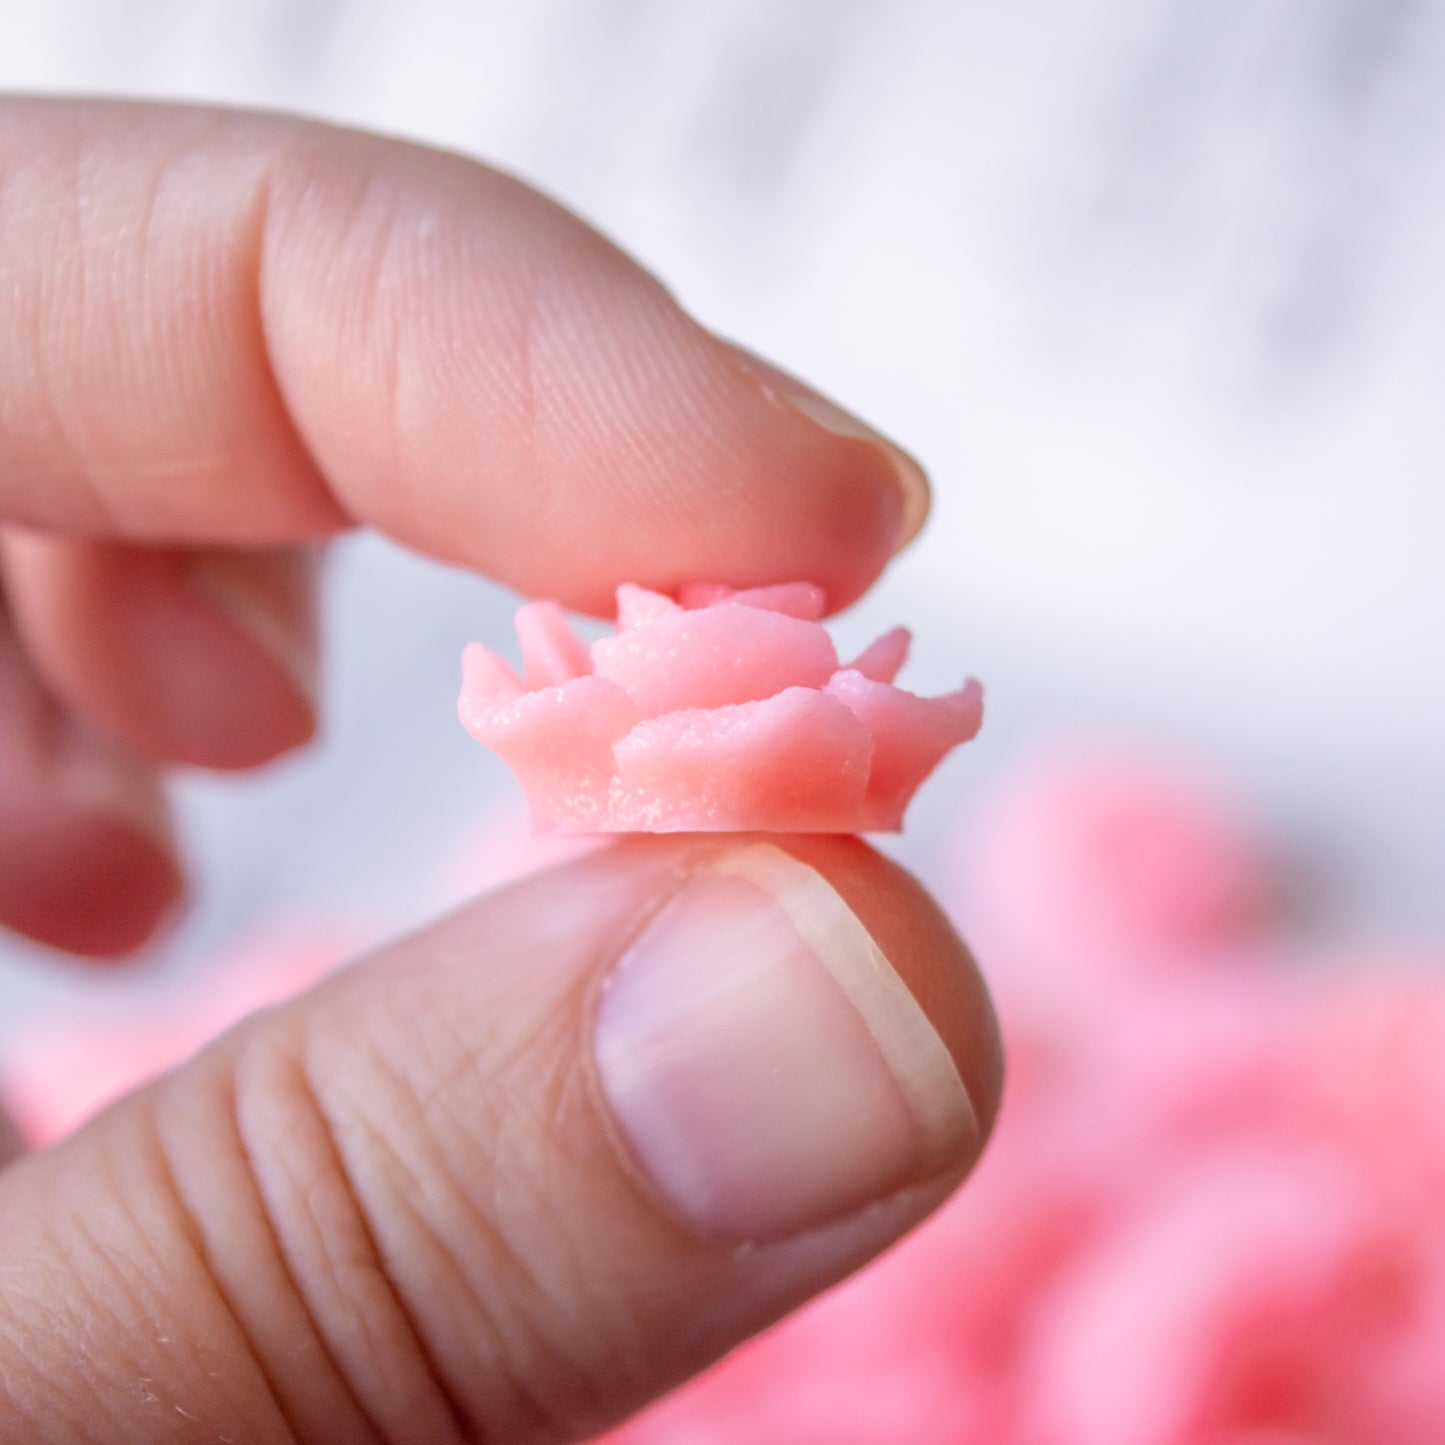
(724, 711)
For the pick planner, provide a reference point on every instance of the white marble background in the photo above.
(1155, 287)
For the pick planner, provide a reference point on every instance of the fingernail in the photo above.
(98, 779)
(267, 595)
(789, 391)
(12, 1142)
(138, 890)
(766, 1066)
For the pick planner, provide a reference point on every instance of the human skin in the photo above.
(465, 1189)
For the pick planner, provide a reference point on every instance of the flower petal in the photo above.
(715, 657)
(724, 711)
(797, 599)
(910, 735)
(558, 741)
(636, 605)
(705, 594)
(882, 660)
(551, 652)
(488, 682)
(797, 762)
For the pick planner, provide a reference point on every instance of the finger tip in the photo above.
(277, 720)
(840, 537)
(259, 609)
(205, 659)
(718, 475)
(102, 889)
(134, 898)
(883, 495)
(241, 703)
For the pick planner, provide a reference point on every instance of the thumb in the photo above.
(514, 1176)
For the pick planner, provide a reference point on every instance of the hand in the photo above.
(514, 1176)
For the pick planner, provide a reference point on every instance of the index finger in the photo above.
(227, 328)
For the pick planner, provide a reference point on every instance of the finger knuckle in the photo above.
(420, 1202)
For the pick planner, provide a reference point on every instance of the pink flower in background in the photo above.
(726, 711)
(1214, 1209)
(61, 1070)
(502, 848)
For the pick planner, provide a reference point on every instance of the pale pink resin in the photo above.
(722, 712)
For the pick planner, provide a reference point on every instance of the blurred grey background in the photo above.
(1154, 288)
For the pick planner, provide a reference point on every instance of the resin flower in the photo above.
(722, 712)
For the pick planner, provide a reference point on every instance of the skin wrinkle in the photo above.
(74, 194)
(22, 1337)
(200, 276)
(192, 1227)
(49, 291)
(561, 1035)
(308, 205)
(13, 1406)
(403, 1210)
(300, 1095)
(244, 318)
(102, 1262)
(244, 253)
(557, 1034)
(507, 1274)
(425, 1247)
(180, 1224)
(235, 258)
(364, 228)
(353, 1275)
(93, 311)
(530, 1122)
(71, 1416)
(366, 1226)
(382, 320)
(542, 334)
(426, 256)
(260, 250)
(144, 227)
(508, 372)
(109, 481)
(589, 1391)
(528, 289)
(631, 369)
(518, 1118)
(727, 490)
(242, 258)
(576, 1285)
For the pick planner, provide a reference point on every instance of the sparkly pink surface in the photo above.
(1214, 1209)
(724, 711)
